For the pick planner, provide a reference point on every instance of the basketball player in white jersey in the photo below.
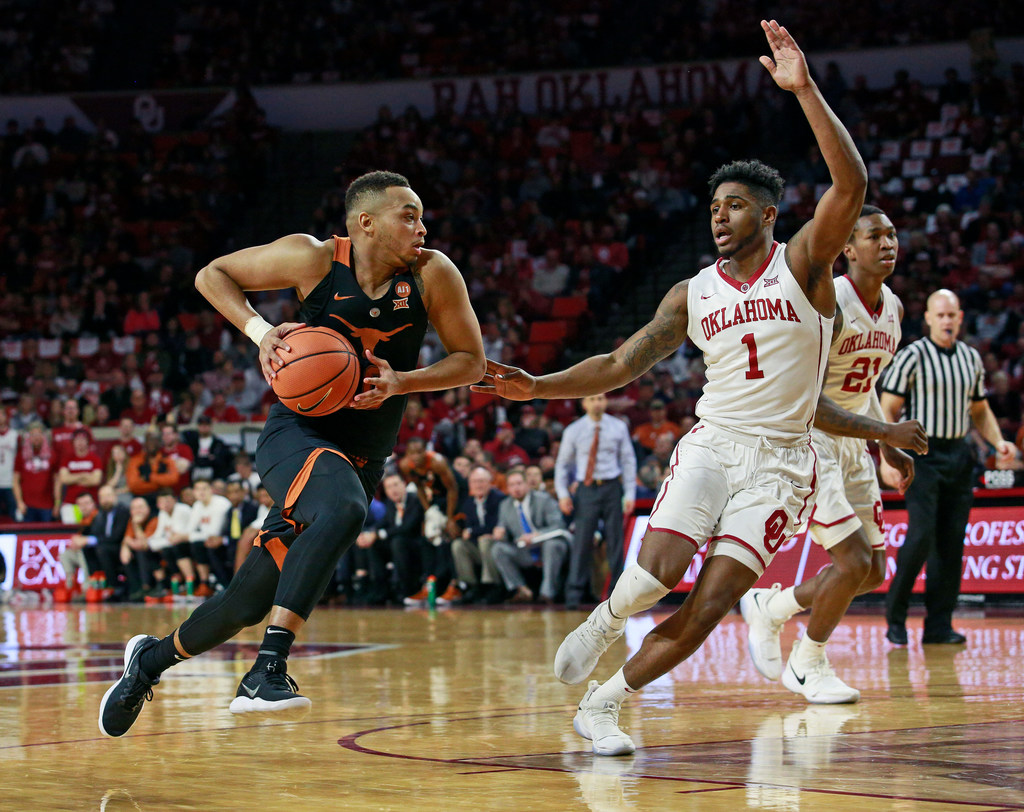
(847, 516)
(743, 479)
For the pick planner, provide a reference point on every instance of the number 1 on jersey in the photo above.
(753, 372)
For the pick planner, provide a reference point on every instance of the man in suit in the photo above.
(239, 517)
(524, 517)
(402, 531)
(473, 548)
(213, 459)
(105, 535)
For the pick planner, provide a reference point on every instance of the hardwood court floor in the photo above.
(458, 710)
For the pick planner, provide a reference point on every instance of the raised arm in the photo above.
(297, 261)
(599, 373)
(815, 247)
(450, 312)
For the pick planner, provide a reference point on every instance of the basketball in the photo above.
(320, 374)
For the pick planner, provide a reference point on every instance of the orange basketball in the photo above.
(320, 374)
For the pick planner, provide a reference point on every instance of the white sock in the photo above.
(614, 690)
(810, 650)
(783, 605)
(635, 591)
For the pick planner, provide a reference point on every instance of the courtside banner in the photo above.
(33, 559)
(993, 553)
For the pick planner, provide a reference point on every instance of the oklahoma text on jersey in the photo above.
(744, 312)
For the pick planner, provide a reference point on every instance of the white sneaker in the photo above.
(599, 722)
(763, 631)
(816, 681)
(583, 647)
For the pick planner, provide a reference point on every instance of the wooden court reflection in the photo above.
(458, 710)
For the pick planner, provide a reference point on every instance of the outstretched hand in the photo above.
(506, 382)
(787, 64)
(382, 385)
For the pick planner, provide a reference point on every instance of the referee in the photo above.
(941, 382)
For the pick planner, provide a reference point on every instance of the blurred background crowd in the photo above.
(120, 385)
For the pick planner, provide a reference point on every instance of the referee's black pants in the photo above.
(594, 503)
(938, 505)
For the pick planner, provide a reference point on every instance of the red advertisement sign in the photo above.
(993, 558)
(33, 560)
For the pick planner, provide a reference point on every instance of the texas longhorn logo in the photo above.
(403, 290)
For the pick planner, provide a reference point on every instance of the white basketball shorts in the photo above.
(742, 494)
(848, 493)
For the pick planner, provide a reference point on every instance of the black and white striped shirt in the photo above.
(938, 385)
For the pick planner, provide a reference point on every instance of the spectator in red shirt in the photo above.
(33, 476)
(504, 449)
(71, 422)
(81, 471)
(415, 423)
(143, 318)
(220, 412)
(140, 412)
(126, 437)
(177, 451)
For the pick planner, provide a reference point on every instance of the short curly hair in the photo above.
(764, 181)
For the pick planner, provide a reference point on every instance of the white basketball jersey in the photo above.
(765, 347)
(865, 347)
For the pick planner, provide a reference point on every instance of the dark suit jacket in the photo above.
(118, 525)
(217, 464)
(248, 510)
(491, 505)
(411, 526)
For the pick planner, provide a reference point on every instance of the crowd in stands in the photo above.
(62, 46)
(101, 235)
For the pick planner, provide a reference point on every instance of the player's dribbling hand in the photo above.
(506, 382)
(271, 343)
(897, 468)
(907, 434)
(787, 64)
(385, 384)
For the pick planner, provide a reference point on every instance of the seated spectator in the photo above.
(220, 412)
(661, 455)
(73, 557)
(70, 422)
(135, 555)
(241, 514)
(212, 459)
(415, 423)
(150, 469)
(80, 471)
(115, 474)
(472, 550)
(34, 475)
(245, 474)
(530, 531)
(126, 437)
(264, 503)
(177, 451)
(504, 450)
(530, 437)
(8, 458)
(142, 318)
(364, 566)
(104, 538)
(139, 411)
(204, 536)
(646, 434)
(402, 530)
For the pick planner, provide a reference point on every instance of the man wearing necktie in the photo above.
(530, 525)
(597, 449)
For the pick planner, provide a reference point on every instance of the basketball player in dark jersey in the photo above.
(379, 287)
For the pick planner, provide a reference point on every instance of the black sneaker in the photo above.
(268, 689)
(123, 700)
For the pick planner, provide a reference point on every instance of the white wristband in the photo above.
(256, 328)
